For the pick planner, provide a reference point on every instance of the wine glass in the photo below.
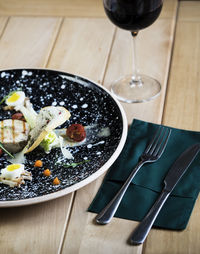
(134, 15)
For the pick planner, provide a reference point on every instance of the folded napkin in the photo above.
(148, 183)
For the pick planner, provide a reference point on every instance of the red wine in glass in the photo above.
(134, 15)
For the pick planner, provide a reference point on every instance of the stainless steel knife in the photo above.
(172, 178)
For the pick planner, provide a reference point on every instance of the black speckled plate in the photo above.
(89, 104)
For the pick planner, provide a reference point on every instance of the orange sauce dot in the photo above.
(56, 181)
(38, 163)
(47, 172)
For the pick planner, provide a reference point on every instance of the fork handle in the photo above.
(105, 216)
(141, 231)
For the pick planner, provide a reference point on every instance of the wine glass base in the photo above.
(130, 92)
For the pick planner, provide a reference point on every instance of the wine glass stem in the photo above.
(136, 79)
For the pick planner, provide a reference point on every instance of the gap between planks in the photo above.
(54, 43)
(170, 60)
(66, 223)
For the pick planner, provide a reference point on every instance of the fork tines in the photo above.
(159, 142)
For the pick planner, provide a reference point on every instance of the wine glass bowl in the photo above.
(134, 15)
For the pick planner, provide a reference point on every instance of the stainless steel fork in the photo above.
(151, 154)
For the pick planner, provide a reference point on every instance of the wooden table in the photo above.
(75, 36)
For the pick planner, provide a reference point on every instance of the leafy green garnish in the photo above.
(74, 164)
(48, 141)
(4, 149)
(11, 93)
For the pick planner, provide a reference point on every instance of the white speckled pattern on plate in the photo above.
(89, 104)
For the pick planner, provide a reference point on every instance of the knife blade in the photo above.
(173, 176)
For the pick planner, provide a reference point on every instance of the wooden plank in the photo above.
(169, 9)
(67, 8)
(85, 51)
(183, 90)
(27, 42)
(181, 111)
(189, 11)
(76, 8)
(33, 229)
(3, 22)
(82, 235)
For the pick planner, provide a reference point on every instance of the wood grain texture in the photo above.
(82, 47)
(181, 111)
(75, 8)
(183, 90)
(189, 11)
(34, 229)
(27, 42)
(169, 9)
(3, 23)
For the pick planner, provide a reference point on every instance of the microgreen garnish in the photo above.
(4, 149)
(74, 164)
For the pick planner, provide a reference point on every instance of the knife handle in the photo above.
(141, 231)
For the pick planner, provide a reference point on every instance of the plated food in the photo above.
(29, 131)
(14, 134)
(68, 125)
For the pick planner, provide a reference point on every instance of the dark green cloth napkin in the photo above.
(148, 183)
